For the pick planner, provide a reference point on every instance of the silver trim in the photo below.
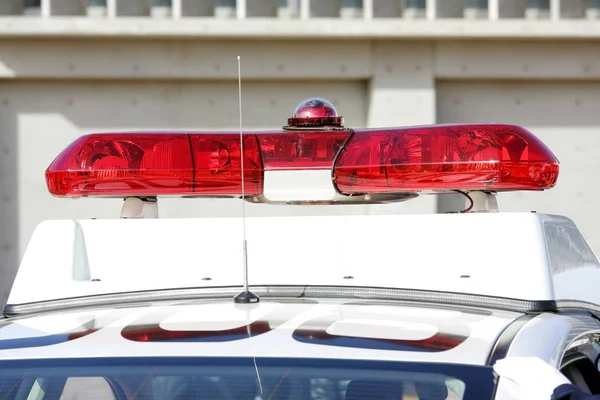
(574, 305)
(287, 291)
(374, 198)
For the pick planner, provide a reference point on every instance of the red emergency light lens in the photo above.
(149, 164)
(300, 150)
(218, 168)
(123, 163)
(445, 157)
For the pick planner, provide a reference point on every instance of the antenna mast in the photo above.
(246, 296)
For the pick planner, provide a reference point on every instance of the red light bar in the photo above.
(444, 157)
(392, 160)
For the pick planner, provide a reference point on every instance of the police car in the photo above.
(312, 308)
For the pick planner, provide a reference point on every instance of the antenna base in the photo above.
(246, 297)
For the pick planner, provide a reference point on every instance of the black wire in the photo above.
(470, 207)
(337, 156)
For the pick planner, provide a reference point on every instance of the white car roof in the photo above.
(520, 260)
(324, 328)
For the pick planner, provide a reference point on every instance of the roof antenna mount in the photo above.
(246, 296)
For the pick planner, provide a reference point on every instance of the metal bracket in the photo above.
(140, 207)
(338, 199)
(482, 201)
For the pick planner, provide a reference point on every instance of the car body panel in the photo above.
(322, 328)
(507, 255)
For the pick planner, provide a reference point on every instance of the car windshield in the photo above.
(224, 378)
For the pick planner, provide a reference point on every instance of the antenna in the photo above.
(246, 297)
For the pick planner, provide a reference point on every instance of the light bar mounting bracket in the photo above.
(139, 207)
(483, 201)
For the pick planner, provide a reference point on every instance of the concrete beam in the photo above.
(46, 8)
(494, 10)
(304, 10)
(305, 27)
(522, 60)
(111, 9)
(177, 9)
(277, 59)
(368, 9)
(170, 60)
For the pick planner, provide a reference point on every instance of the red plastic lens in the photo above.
(445, 157)
(144, 164)
(299, 150)
(218, 167)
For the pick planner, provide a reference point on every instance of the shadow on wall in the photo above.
(9, 201)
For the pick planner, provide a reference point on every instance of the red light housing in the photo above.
(369, 161)
(444, 157)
